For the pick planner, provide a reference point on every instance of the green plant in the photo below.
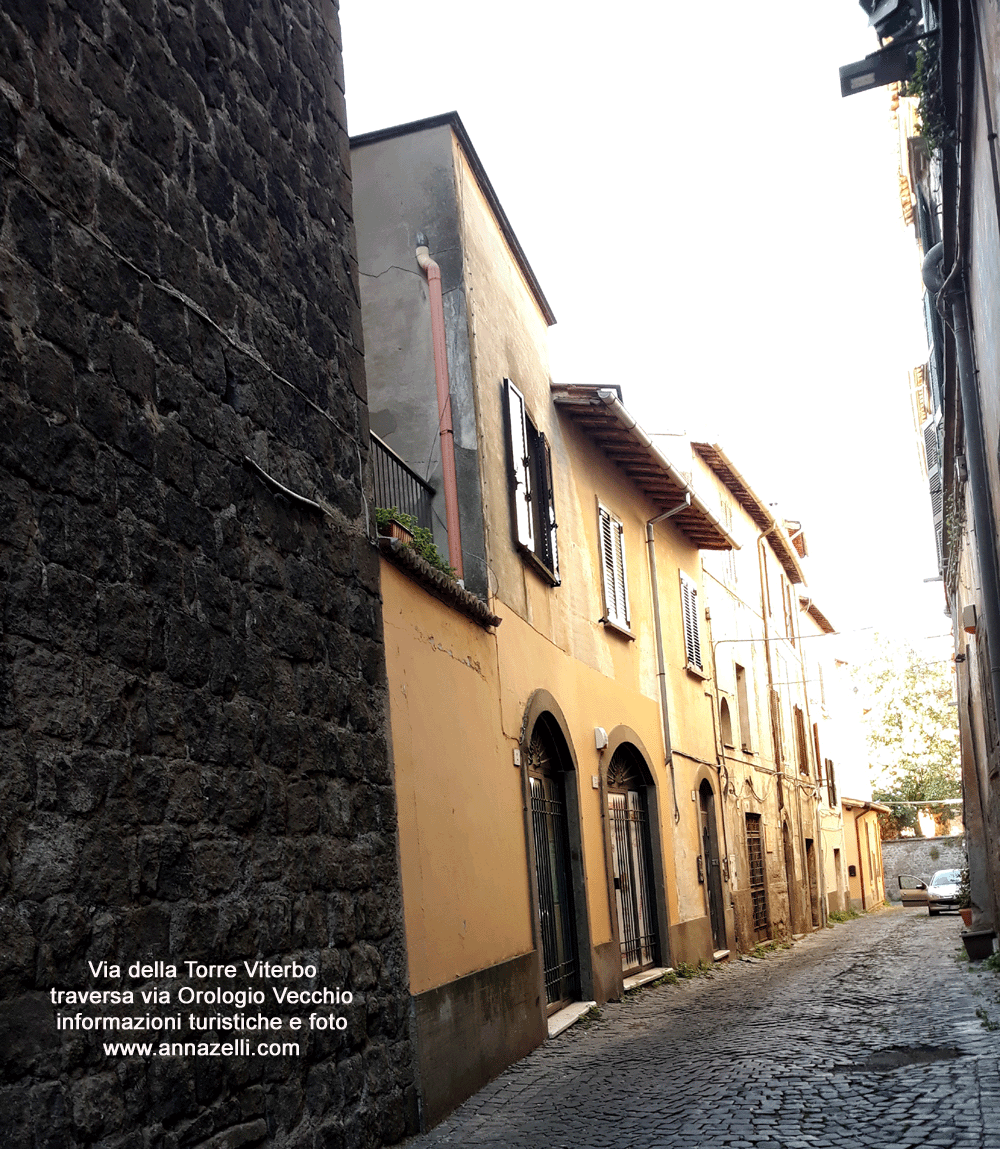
(702, 969)
(592, 1015)
(911, 729)
(423, 540)
(843, 916)
(935, 853)
(964, 890)
(992, 963)
(986, 1021)
(925, 84)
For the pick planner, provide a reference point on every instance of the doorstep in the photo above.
(564, 1018)
(644, 978)
(720, 955)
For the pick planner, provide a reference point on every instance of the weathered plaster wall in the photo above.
(405, 186)
(192, 695)
(462, 845)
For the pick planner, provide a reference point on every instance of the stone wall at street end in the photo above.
(193, 758)
(919, 858)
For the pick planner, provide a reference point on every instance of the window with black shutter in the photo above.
(533, 510)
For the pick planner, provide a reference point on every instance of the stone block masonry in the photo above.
(193, 766)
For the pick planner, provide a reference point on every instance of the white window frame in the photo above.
(691, 619)
(532, 499)
(614, 572)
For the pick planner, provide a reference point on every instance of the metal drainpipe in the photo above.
(779, 765)
(720, 765)
(820, 864)
(446, 430)
(661, 669)
(982, 511)
(861, 861)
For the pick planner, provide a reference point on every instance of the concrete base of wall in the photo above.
(836, 902)
(691, 941)
(607, 972)
(470, 1030)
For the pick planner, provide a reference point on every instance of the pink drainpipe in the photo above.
(447, 432)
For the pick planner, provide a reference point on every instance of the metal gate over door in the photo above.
(552, 873)
(631, 860)
(758, 891)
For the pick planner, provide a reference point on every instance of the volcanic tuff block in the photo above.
(192, 755)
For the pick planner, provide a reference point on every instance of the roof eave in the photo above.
(701, 525)
(719, 463)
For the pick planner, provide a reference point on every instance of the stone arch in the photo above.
(633, 851)
(550, 780)
(726, 724)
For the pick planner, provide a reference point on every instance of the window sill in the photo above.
(535, 563)
(696, 671)
(617, 628)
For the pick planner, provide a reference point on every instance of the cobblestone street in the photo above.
(868, 1035)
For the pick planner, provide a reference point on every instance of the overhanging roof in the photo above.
(599, 413)
(861, 804)
(453, 121)
(818, 617)
(714, 456)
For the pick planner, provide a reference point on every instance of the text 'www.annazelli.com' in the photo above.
(239, 1048)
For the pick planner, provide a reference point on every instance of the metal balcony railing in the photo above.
(398, 485)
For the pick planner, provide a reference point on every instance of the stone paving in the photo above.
(871, 1035)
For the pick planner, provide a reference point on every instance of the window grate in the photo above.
(758, 890)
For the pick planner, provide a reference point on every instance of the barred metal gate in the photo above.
(758, 891)
(631, 860)
(552, 872)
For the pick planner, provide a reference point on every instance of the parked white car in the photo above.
(940, 894)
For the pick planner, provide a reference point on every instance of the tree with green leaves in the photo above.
(912, 734)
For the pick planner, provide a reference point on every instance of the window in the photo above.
(778, 728)
(788, 603)
(692, 623)
(744, 702)
(801, 746)
(726, 724)
(831, 783)
(612, 542)
(533, 509)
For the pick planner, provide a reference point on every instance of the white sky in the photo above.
(717, 231)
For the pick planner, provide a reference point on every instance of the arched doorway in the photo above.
(790, 880)
(711, 865)
(632, 860)
(550, 830)
(813, 876)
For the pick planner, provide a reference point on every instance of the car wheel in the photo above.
(932, 913)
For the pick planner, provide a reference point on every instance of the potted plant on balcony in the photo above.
(397, 524)
(394, 524)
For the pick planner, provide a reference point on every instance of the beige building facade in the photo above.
(567, 818)
(783, 813)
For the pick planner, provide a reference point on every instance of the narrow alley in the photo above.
(873, 1034)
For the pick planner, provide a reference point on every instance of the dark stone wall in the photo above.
(192, 697)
